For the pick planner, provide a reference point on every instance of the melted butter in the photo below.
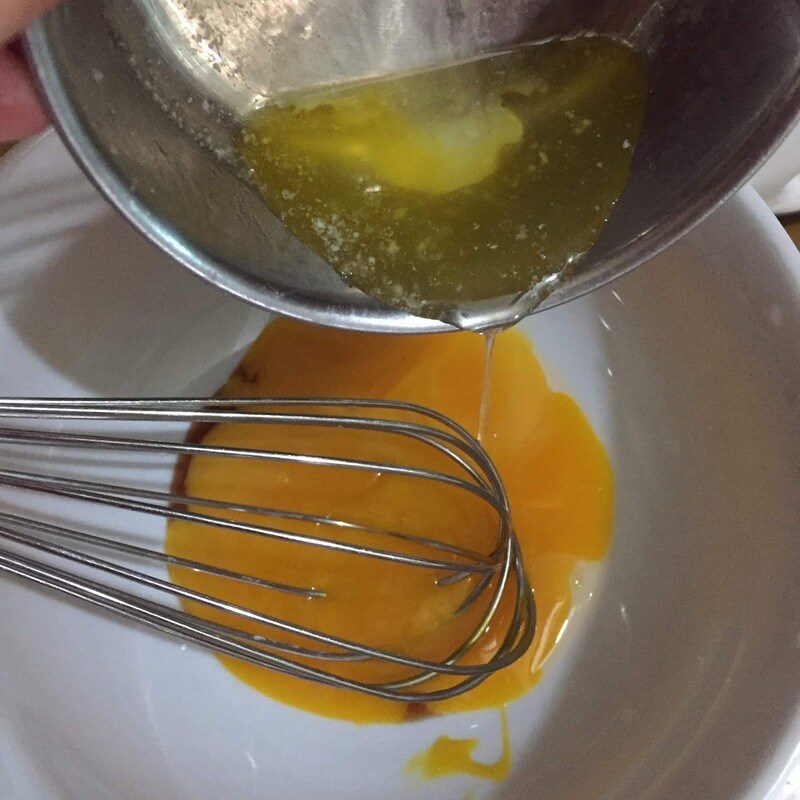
(555, 470)
(483, 409)
(391, 135)
(478, 180)
(448, 756)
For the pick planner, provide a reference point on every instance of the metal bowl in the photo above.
(148, 94)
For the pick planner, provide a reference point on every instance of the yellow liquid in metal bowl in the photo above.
(468, 182)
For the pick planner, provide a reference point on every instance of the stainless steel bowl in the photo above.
(147, 95)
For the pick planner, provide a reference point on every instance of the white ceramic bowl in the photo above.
(680, 677)
(778, 181)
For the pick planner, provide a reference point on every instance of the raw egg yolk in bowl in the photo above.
(555, 470)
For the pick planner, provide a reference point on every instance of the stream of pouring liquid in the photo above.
(483, 411)
(473, 181)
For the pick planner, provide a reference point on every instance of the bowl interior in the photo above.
(678, 676)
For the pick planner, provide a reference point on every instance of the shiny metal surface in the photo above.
(147, 95)
(65, 556)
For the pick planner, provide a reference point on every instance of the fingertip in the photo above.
(21, 111)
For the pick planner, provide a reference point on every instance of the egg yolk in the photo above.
(555, 471)
(447, 756)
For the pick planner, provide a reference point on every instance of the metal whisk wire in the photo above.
(44, 550)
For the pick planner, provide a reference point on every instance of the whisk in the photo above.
(73, 559)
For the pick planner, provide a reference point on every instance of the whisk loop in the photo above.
(80, 562)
